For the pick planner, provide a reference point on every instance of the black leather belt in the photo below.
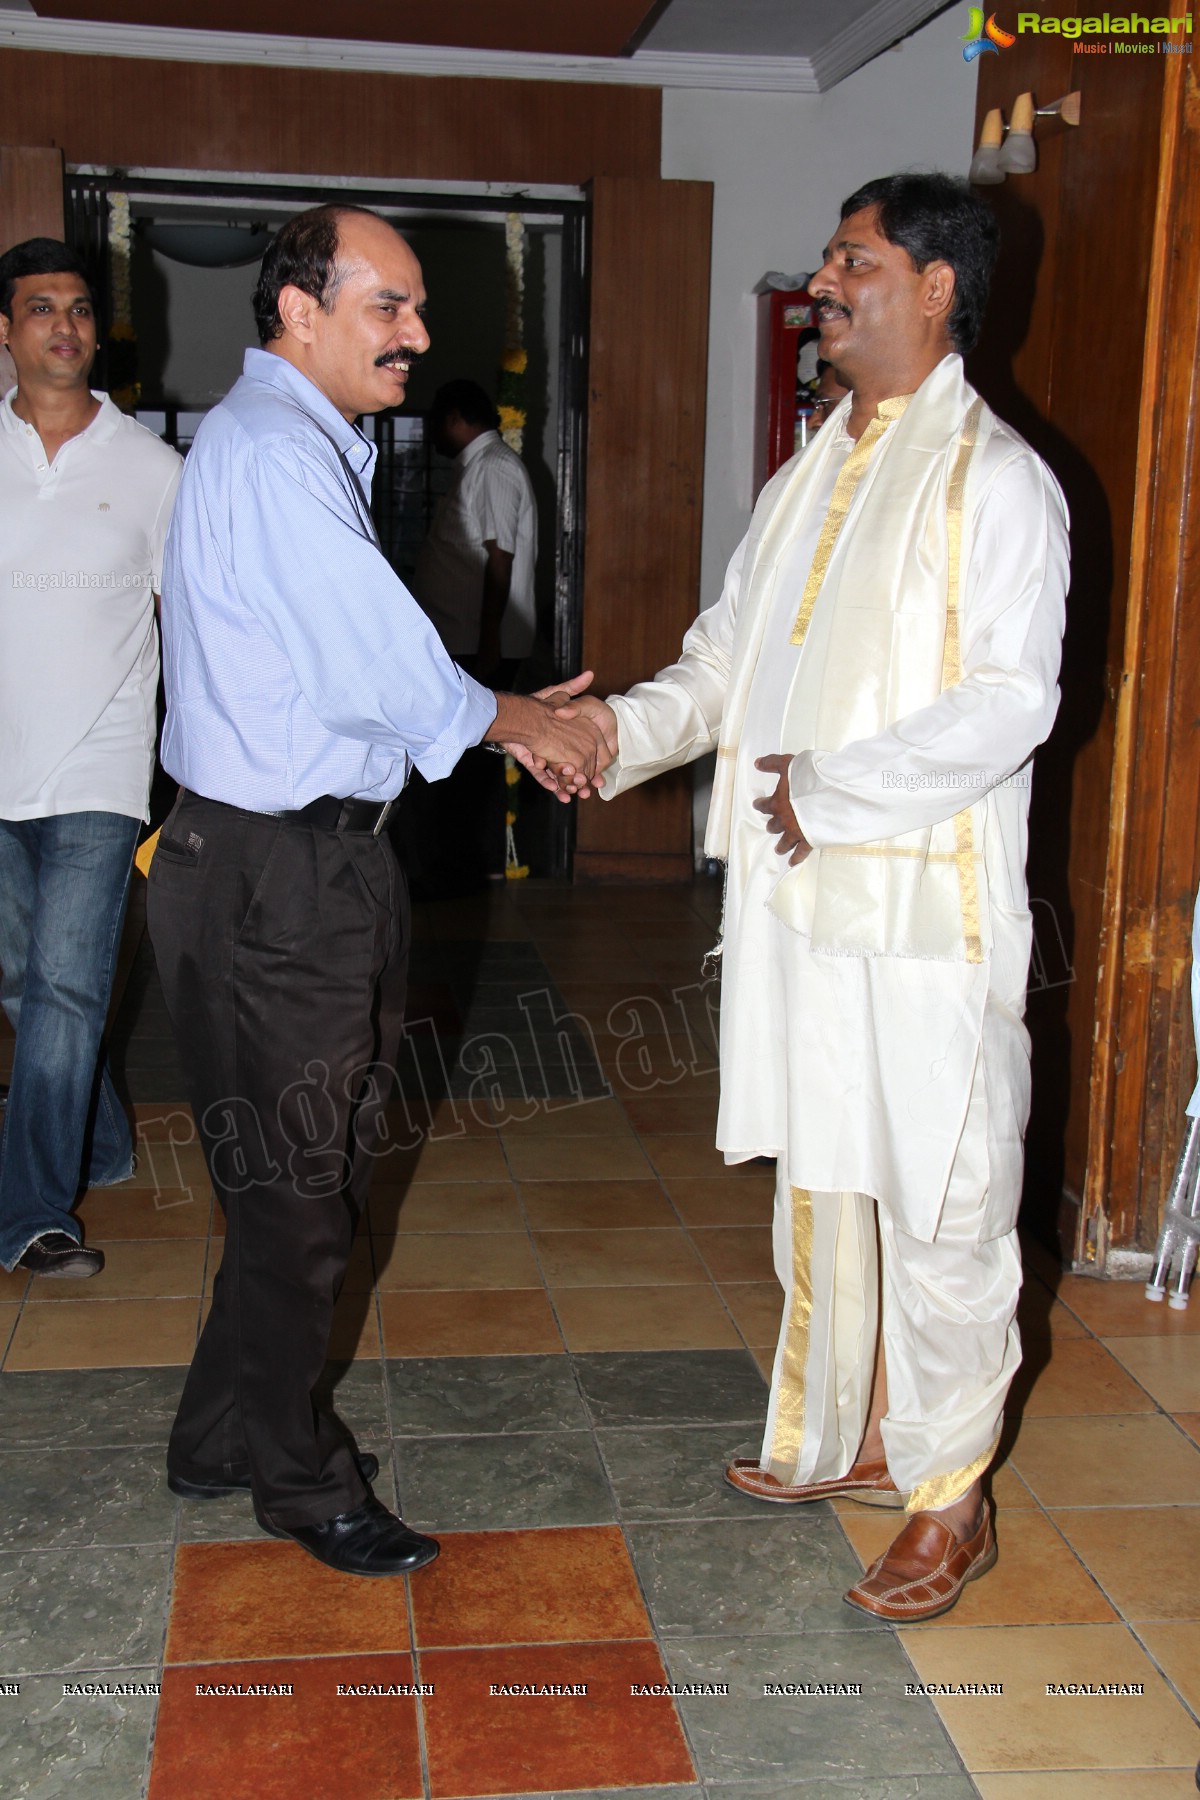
(332, 814)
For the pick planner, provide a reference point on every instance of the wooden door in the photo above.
(31, 194)
(647, 367)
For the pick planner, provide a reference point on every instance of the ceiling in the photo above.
(805, 45)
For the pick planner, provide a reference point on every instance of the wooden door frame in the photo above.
(1143, 1065)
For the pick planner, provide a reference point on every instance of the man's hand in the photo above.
(569, 749)
(567, 704)
(778, 807)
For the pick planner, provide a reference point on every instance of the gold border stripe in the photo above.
(849, 476)
(943, 1490)
(964, 831)
(793, 1368)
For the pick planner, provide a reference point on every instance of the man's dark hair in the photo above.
(469, 401)
(37, 256)
(937, 218)
(304, 254)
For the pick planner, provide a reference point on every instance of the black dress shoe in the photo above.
(54, 1253)
(222, 1485)
(368, 1541)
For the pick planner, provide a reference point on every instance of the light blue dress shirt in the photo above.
(296, 661)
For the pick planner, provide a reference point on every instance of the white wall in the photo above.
(781, 164)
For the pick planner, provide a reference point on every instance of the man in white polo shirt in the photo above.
(85, 500)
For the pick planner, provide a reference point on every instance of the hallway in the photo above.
(558, 1324)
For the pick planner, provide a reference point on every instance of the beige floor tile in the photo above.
(453, 1261)
(446, 1206)
(1146, 1559)
(1130, 1461)
(8, 1318)
(617, 1258)
(1175, 1646)
(654, 1063)
(588, 1118)
(1089, 1784)
(667, 1115)
(1069, 1377)
(1190, 1422)
(169, 1164)
(735, 1253)
(517, 1322)
(704, 1200)
(1036, 1581)
(1026, 1728)
(596, 1205)
(564, 1158)
(766, 1362)
(757, 1308)
(697, 1156)
(110, 1213)
(146, 1269)
(445, 1159)
(103, 1334)
(643, 1318)
(1167, 1367)
(1121, 1309)
(13, 1284)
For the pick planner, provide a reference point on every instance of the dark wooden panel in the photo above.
(1145, 1054)
(130, 113)
(601, 28)
(1062, 361)
(647, 372)
(31, 194)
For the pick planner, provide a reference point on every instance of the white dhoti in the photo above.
(893, 623)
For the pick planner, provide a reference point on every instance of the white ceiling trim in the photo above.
(764, 74)
(873, 31)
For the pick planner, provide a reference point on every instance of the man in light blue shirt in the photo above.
(303, 682)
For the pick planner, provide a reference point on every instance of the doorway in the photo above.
(194, 246)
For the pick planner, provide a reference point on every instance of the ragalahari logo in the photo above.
(980, 38)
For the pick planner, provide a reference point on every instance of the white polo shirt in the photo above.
(81, 543)
(491, 498)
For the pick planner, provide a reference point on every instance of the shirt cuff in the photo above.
(475, 714)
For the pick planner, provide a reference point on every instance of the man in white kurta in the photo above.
(876, 675)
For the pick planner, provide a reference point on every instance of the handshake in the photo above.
(565, 737)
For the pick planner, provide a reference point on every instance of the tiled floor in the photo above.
(556, 1326)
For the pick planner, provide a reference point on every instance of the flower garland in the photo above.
(511, 398)
(511, 406)
(123, 385)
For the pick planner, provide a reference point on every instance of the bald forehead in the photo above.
(373, 252)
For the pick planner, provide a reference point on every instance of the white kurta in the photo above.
(857, 1069)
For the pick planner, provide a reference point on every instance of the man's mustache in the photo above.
(397, 356)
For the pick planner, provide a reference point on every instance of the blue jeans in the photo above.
(64, 882)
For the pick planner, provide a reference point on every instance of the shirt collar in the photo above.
(470, 451)
(277, 372)
(98, 431)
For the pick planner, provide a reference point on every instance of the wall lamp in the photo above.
(1010, 150)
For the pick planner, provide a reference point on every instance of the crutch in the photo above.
(1179, 1238)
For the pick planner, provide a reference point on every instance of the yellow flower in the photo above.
(515, 362)
(512, 418)
(119, 329)
(517, 871)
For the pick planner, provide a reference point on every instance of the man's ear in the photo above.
(3, 328)
(296, 310)
(940, 286)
